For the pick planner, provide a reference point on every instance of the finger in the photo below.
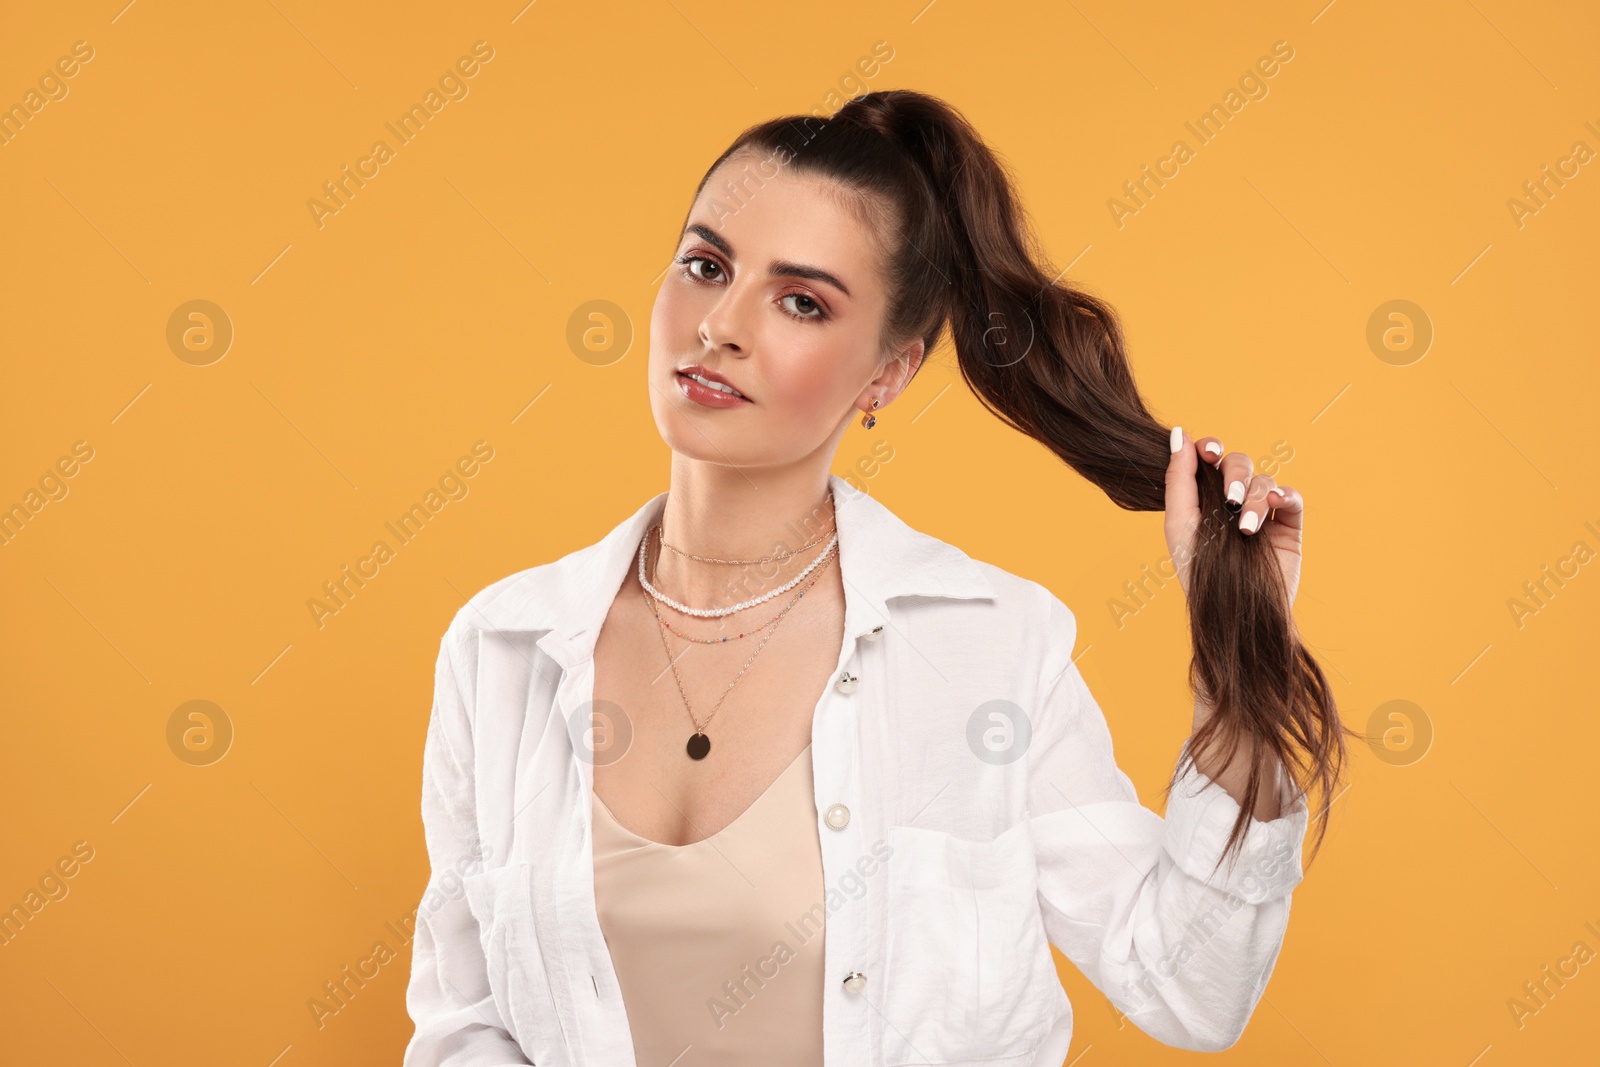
(1183, 492)
(1210, 449)
(1236, 469)
(1182, 516)
(1253, 515)
(1288, 507)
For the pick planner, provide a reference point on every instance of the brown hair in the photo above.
(960, 250)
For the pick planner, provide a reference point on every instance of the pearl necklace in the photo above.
(712, 613)
(737, 637)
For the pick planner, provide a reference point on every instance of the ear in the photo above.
(897, 373)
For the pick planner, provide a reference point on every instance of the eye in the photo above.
(709, 272)
(805, 306)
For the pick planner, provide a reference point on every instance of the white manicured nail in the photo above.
(1177, 438)
(1214, 448)
(1236, 492)
(1250, 521)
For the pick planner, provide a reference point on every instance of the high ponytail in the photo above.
(1050, 361)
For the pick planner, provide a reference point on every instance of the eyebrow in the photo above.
(781, 268)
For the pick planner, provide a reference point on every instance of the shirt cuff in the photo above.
(1201, 814)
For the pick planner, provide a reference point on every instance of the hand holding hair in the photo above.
(1254, 499)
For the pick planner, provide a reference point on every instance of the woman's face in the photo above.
(777, 290)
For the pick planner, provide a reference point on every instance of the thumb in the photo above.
(1182, 518)
(1183, 493)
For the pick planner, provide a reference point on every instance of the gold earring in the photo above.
(870, 420)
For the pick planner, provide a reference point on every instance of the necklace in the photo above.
(720, 640)
(661, 540)
(699, 745)
(711, 613)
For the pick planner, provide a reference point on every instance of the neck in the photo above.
(722, 512)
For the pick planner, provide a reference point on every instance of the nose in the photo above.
(724, 325)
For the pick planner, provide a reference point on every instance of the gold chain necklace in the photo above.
(738, 562)
(699, 745)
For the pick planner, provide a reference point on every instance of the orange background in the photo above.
(369, 354)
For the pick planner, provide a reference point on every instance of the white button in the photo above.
(855, 981)
(846, 683)
(837, 816)
(874, 633)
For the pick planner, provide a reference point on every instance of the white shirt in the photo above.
(970, 811)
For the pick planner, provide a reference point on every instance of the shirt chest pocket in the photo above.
(502, 902)
(970, 975)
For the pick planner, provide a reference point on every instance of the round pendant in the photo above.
(698, 746)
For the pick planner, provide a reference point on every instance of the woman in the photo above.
(767, 776)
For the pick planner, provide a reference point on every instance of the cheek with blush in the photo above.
(811, 383)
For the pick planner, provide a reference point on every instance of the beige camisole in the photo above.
(717, 944)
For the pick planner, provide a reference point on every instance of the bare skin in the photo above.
(743, 480)
(656, 790)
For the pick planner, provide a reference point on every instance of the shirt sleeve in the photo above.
(1131, 898)
(448, 997)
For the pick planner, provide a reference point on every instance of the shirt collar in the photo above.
(880, 558)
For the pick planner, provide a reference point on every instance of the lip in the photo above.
(704, 394)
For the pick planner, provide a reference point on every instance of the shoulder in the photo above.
(561, 594)
(516, 601)
(1033, 605)
(499, 601)
(1016, 624)
(498, 629)
(532, 599)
